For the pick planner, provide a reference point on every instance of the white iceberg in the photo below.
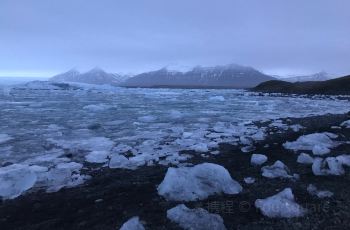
(15, 179)
(249, 180)
(344, 159)
(200, 147)
(328, 166)
(345, 124)
(258, 159)
(305, 158)
(312, 190)
(132, 224)
(195, 219)
(277, 170)
(320, 150)
(318, 143)
(64, 175)
(281, 205)
(197, 182)
(120, 161)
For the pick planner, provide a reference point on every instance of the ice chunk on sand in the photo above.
(97, 157)
(15, 179)
(133, 224)
(328, 166)
(4, 138)
(120, 161)
(344, 159)
(296, 127)
(281, 205)
(312, 190)
(197, 182)
(64, 175)
(195, 219)
(258, 159)
(249, 180)
(277, 170)
(320, 150)
(319, 143)
(305, 158)
(346, 124)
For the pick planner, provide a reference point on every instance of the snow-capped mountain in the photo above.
(95, 76)
(228, 76)
(321, 76)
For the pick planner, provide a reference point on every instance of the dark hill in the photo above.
(229, 76)
(338, 86)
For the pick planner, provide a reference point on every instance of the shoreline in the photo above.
(113, 196)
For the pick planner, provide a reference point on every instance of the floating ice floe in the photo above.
(281, 205)
(318, 143)
(258, 159)
(4, 138)
(277, 170)
(217, 98)
(148, 118)
(133, 223)
(96, 108)
(249, 180)
(305, 158)
(197, 182)
(345, 124)
(195, 219)
(312, 190)
(87, 144)
(174, 114)
(329, 166)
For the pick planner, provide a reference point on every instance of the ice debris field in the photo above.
(50, 132)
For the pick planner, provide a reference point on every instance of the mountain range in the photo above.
(95, 76)
(227, 76)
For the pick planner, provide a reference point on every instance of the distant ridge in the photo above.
(228, 76)
(337, 86)
(95, 76)
(321, 76)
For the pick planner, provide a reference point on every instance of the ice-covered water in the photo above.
(38, 121)
(46, 126)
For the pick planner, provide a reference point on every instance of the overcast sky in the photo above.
(42, 37)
